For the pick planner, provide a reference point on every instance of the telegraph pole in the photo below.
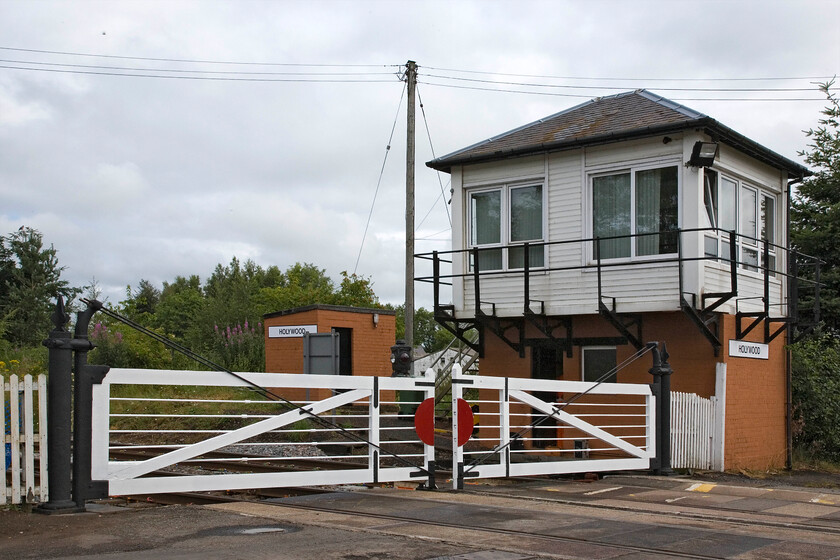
(411, 79)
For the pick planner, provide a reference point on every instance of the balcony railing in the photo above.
(741, 255)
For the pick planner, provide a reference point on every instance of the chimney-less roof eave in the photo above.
(710, 126)
(446, 164)
(726, 135)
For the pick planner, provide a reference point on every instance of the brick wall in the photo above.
(755, 405)
(371, 344)
(755, 409)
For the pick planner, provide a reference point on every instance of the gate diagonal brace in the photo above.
(623, 323)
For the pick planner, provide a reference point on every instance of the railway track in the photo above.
(474, 533)
(738, 521)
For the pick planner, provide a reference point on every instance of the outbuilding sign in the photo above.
(743, 349)
(291, 331)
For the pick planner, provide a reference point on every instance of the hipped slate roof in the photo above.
(603, 120)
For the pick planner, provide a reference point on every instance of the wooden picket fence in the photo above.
(24, 428)
(692, 431)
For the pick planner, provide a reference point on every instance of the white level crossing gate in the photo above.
(157, 431)
(535, 427)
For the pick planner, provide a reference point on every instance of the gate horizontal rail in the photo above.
(527, 427)
(183, 416)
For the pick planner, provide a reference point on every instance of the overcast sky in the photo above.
(153, 177)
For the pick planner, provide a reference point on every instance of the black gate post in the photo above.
(85, 377)
(661, 372)
(59, 393)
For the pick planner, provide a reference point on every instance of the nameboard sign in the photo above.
(291, 331)
(755, 350)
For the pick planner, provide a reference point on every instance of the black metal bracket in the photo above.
(703, 320)
(501, 326)
(547, 326)
(623, 323)
(445, 317)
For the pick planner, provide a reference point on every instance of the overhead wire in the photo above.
(196, 61)
(612, 78)
(381, 173)
(613, 88)
(584, 96)
(187, 71)
(202, 78)
(434, 156)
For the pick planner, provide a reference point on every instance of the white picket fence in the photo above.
(692, 431)
(22, 402)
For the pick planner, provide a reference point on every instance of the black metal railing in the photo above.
(738, 244)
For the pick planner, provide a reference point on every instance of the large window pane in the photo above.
(748, 213)
(656, 211)
(526, 214)
(611, 214)
(726, 205)
(486, 228)
(768, 219)
(710, 196)
(486, 212)
(526, 224)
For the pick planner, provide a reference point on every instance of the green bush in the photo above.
(816, 397)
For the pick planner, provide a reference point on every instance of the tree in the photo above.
(427, 332)
(815, 386)
(815, 209)
(356, 291)
(31, 281)
(181, 303)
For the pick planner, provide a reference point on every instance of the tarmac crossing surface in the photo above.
(622, 517)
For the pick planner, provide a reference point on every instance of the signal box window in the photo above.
(644, 203)
(597, 362)
(509, 215)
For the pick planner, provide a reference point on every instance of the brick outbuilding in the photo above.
(365, 338)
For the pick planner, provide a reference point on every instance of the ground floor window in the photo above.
(597, 362)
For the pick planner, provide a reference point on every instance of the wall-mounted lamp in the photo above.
(703, 154)
(375, 320)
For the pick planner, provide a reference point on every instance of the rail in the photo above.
(731, 249)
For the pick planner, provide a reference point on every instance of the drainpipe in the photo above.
(789, 335)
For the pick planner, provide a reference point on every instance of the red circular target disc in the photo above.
(465, 422)
(424, 421)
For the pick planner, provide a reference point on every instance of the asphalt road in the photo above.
(627, 518)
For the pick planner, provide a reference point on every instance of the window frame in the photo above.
(632, 169)
(746, 241)
(584, 350)
(505, 227)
